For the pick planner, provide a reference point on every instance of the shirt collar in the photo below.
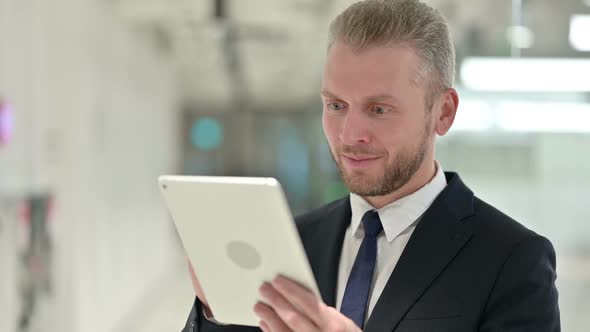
(399, 215)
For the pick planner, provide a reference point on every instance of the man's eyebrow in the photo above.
(378, 97)
(381, 97)
(329, 94)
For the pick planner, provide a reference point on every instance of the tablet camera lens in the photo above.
(243, 255)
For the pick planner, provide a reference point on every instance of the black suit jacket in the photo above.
(466, 267)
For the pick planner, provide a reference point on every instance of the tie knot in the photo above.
(372, 224)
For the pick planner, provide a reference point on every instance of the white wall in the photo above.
(96, 122)
(8, 276)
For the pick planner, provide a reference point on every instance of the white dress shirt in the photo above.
(399, 220)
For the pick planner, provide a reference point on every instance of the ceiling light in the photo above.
(579, 36)
(526, 74)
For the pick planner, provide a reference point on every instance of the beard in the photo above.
(397, 172)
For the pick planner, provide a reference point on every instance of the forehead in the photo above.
(388, 66)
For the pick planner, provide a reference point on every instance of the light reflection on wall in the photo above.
(206, 133)
(293, 162)
(6, 122)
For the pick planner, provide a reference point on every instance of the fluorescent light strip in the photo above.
(526, 74)
(473, 115)
(544, 117)
(522, 116)
(580, 32)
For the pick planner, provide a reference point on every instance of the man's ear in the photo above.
(447, 109)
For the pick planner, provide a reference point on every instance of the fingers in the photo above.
(285, 311)
(270, 321)
(301, 298)
(264, 327)
(336, 321)
(291, 307)
(197, 285)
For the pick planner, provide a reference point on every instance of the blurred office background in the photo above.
(98, 98)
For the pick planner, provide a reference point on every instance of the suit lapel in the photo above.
(437, 239)
(323, 243)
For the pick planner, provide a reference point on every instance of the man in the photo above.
(411, 248)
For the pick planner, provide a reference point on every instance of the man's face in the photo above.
(375, 117)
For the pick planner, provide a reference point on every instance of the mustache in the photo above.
(359, 149)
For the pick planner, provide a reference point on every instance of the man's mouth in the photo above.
(359, 160)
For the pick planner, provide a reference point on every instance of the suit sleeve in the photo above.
(196, 322)
(524, 297)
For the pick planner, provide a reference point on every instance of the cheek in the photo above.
(331, 128)
(394, 137)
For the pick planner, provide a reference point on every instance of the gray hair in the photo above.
(383, 22)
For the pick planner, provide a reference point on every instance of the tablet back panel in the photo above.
(238, 232)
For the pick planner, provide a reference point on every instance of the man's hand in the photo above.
(199, 290)
(293, 308)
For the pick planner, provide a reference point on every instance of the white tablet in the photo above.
(238, 232)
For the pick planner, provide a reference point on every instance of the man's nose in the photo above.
(355, 128)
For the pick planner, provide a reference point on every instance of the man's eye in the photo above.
(335, 106)
(379, 109)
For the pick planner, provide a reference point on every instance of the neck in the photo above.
(423, 176)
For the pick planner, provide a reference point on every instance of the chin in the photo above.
(363, 185)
